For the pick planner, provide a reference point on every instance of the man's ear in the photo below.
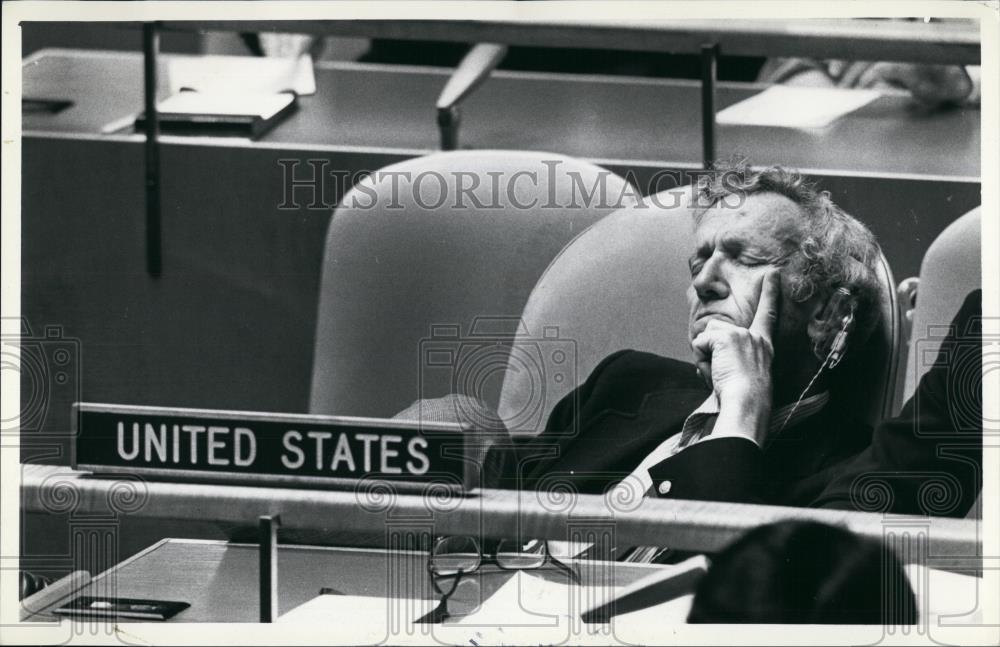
(819, 322)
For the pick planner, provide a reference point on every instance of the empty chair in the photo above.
(952, 267)
(428, 265)
(622, 284)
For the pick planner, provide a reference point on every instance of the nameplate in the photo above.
(278, 449)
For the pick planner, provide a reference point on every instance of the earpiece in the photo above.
(839, 314)
(839, 346)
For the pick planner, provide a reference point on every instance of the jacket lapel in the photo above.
(612, 444)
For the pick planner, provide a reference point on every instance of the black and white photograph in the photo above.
(500, 323)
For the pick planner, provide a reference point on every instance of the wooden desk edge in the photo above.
(824, 38)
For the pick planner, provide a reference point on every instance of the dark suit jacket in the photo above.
(633, 401)
(929, 458)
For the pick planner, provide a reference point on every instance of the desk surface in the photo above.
(220, 580)
(606, 119)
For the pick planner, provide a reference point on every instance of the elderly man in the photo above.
(783, 284)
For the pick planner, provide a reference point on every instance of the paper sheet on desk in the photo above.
(334, 608)
(794, 107)
(364, 620)
(946, 598)
(643, 626)
(244, 74)
(528, 609)
(529, 600)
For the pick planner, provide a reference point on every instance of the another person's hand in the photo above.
(931, 85)
(282, 45)
(737, 362)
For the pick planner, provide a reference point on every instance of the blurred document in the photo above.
(795, 107)
(246, 74)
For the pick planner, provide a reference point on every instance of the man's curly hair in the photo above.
(834, 251)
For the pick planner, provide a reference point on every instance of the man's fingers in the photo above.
(702, 347)
(941, 84)
(705, 372)
(766, 317)
(928, 84)
(704, 344)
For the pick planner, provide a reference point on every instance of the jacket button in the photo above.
(665, 487)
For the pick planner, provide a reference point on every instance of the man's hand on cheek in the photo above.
(737, 362)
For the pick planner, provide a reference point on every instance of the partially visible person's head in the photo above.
(748, 221)
(795, 572)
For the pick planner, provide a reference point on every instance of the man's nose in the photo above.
(709, 283)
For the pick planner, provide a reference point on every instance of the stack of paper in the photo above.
(229, 95)
(258, 104)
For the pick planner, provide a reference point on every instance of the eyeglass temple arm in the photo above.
(562, 566)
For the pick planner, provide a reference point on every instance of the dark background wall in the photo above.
(96, 35)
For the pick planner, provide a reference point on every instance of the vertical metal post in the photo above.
(448, 120)
(150, 48)
(709, 72)
(268, 537)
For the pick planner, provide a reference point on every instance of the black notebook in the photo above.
(87, 606)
